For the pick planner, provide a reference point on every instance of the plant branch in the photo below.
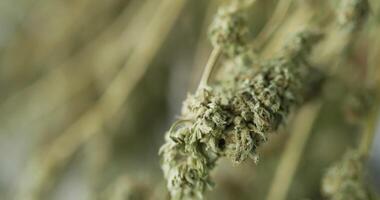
(293, 152)
(212, 61)
(274, 22)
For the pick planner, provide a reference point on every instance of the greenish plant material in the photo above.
(358, 105)
(229, 30)
(233, 118)
(73, 89)
(344, 180)
(352, 14)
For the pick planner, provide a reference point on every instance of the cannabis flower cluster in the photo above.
(344, 180)
(232, 118)
(229, 30)
(231, 121)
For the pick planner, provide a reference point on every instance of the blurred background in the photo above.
(89, 88)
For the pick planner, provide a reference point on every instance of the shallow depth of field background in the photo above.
(61, 59)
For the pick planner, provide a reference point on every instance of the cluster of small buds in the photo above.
(344, 180)
(231, 119)
(192, 148)
(352, 13)
(260, 104)
(229, 30)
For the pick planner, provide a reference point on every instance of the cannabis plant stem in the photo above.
(293, 152)
(274, 22)
(202, 49)
(213, 59)
(369, 131)
(370, 125)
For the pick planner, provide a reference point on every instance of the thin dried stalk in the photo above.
(296, 20)
(72, 77)
(89, 124)
(294, 150)
(212, 61)
(369, 131)
(202, 47)
(274, 22)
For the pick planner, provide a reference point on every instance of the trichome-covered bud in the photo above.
(352, 13)
(344, 180)
(229, 30)
(232, 119)
(262, 101)
(192, 146)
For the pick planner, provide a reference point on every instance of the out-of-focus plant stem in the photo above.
(369, 131)
(301, 16)
(212, 61)
(278, 16)
(201, 48)
(294, 150)
(71, 78)
(91, 122)
(373, 80)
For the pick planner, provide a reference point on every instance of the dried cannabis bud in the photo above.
(229, 29)
(344, 180)
(192, 148)
(233, 118)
